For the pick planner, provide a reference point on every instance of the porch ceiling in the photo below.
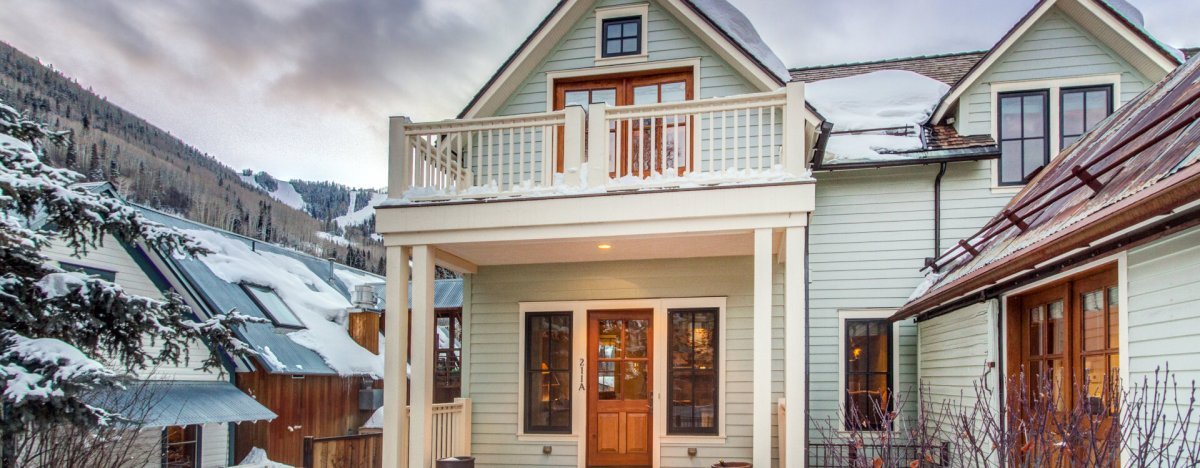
(687, 245)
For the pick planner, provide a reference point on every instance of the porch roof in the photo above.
(184, 402)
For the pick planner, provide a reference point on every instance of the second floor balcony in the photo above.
(737, 140)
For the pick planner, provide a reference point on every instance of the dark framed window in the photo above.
(548, 341)
(1024, 130)
(1081, 109)
(692, 377)
(447, 356)
(105, 275)
(181, 446)
(271, 304)
(868, 367)
(621, 36)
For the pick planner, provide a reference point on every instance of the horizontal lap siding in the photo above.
(667, 40)
(492, 328)
(954, 351)
(1164, 308)
(112, 256)
(1055, 47)
(870, 234)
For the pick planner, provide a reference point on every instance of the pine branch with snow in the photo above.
(66, 333)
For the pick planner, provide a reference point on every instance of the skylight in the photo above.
(273, 306)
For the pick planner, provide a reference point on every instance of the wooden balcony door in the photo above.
(638, 146)
(620, 394)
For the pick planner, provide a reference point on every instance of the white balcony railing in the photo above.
(714, 140)
(451, 435)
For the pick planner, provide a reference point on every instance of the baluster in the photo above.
(773, 136)
(691, 130)
(760, 138)
(724, 145)
(654, 151)
(487, 156)
(472, 171)
(628, 149)
(520, 155)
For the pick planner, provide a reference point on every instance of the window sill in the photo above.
(673, 440)
(547, 438)
(1006, 189)
(622, 59)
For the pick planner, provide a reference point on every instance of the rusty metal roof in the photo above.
(1148, 146)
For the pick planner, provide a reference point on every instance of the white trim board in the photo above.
(610, 68)
(579, 338)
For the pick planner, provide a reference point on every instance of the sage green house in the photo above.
(677, 251)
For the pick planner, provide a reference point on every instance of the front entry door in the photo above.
(620, 404)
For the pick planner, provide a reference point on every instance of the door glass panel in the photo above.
(1056, 374)
(1113, 319)
(1055, 328)
(1093, 320)
(633, 380)
(607, 96)
(443, 332)
(610, 339)
(645, 94)
(674, 92)
(1095, 372)
(635, 339)
(1037, 317)
(606, 380)
(576, 98)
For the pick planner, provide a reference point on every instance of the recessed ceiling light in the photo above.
(604, 246)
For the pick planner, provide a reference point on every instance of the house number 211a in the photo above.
(582, 372)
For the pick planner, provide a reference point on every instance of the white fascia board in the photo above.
(633, 213)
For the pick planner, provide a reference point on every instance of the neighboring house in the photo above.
(319, 369)
(664, 232)
(1089, 275)
(187, 414)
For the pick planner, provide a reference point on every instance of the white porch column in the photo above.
(395, 354)
(400, 158)
(761, 440)
(795, 343)
(420, 445)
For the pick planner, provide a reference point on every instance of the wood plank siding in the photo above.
(668, 40)
(492, 325)
(1055, 47)
(321, 406)
(869, 236)
(954, 351)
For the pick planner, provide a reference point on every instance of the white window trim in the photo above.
(641, 10)
(1054, 86)
(851, 314)
(579, 310)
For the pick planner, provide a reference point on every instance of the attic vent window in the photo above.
(622, 36)
(272, 305)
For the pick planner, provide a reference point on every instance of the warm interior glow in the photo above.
(604, 246)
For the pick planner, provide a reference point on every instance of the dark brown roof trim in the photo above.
(981, 153)
(1158, 230)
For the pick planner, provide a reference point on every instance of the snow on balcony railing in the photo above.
(728, 140)
(501, 152)
(739, 133)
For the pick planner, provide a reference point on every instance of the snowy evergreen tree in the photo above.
(63, 334)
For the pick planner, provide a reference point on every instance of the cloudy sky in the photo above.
(303, 88)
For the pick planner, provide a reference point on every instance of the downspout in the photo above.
(1001, 374)
(937, 217)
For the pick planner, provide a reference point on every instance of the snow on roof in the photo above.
(315, 302)
(735, 24)
(886, 99)
(1134, 16)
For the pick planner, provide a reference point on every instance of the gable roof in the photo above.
(722, 26)
(947, 68)
(1139, 163)
(1155, 52)
(315, 289)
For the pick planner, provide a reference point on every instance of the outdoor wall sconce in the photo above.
(691, 451)
(546, 449)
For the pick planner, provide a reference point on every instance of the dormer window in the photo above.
(622, 36)
(273, 306)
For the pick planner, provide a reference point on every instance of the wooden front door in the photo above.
(620, 404)
(636, 146)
